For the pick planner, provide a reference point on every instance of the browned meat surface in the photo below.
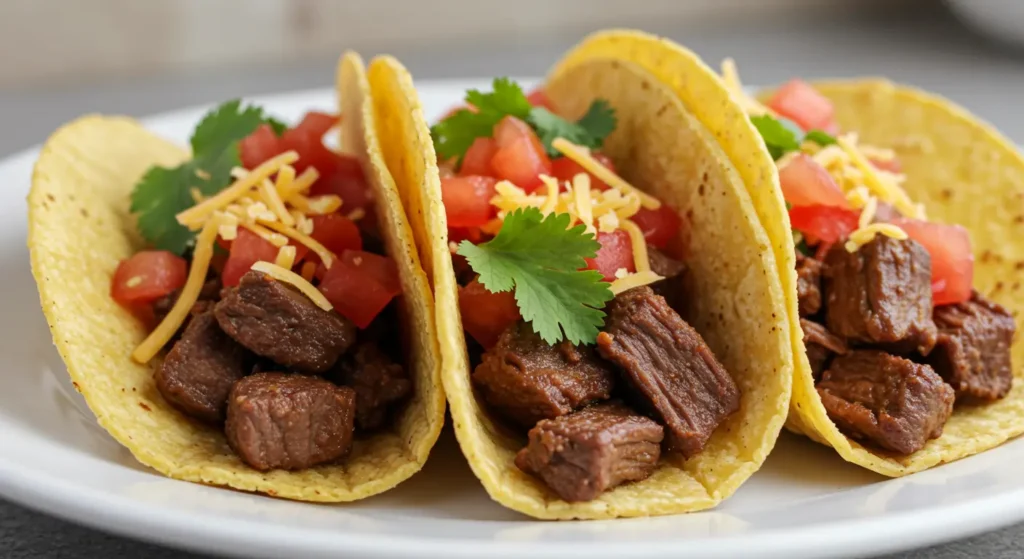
(279, 323)
(973, 351)
(886, 401)
(207, 295)
(881, 294)
(525, 379)
(198, 372)
(669, 369)
(821, 346)
(379, 383)
(673, 287)
(583, 454)
(289, 421)
(808, 284)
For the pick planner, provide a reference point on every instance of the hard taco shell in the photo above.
(80, 228)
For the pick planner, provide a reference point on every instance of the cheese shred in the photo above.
(326, 256)
(581, 155)
(634, 280)
(240, 188)
(287, 276)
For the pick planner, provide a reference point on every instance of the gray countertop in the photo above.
(933, 53)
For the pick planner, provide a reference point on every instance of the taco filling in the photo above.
(895, 333)
(266, 290)
(569, 290)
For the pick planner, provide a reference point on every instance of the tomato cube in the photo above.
(616, 252)
(485, 315)
(520, 157)
(147, 276)
(360, 284)
(801, 103)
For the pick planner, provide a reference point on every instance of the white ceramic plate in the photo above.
(805, 502)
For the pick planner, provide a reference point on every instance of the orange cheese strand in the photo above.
(326, 256)
(290, 277)
(581, 155)
(199, 212)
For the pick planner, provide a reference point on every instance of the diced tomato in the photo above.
(616, 252)
(147, 276)
(538, 98)
(259, 146)
(316, 123)
(564, 169)
(477, 160)
(893, 165)
(247, 249)
(337, 233)
(218, 261)
(952, 258)
(801, 103)
(348, 183)
(823, 224)
(486, 315)
(806, 183)
(360, 284)
(660, 226)
(458, 234)
(520, 158)
(467, 200)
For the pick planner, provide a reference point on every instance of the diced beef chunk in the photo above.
(881, 294)
(821, 345)
(207, 295)
(278, 322)
(198, 372)
(668, 367)
(583, 454)
(525, 379)
(886, 400)
(289, 421)
(973, 351)
(808, 284)
(378, 381)
(673, 287)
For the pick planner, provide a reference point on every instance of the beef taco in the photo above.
(251, 313)
(614, 337)
(904, 210)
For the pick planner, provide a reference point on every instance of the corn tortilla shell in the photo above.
(739, 303)
(966, 173)
(80, 228)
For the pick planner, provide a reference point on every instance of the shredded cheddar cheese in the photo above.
(271, 199)
(581, 155)
(636, 238)
(634, 280)
(285, 257)
(287, 276)
(582, 200)
(308, 270)
(862, 236)
(326, 256)
(882, 184)
(238, 189)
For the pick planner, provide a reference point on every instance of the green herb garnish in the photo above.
(782, 135)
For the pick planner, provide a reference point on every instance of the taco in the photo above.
(252, 314)
(614, 337)
(904, 210)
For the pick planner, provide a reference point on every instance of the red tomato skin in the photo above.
(660, 226)
(477, 160)
(806, 183)
(823, 224)
(360, 284)
(259, 146)
(353, 190)
(801, 103)
(538, 98)
(952, 258)
(317, 123)
(336, 232)
(160, 272)
(616, 252)
(458, 234)
(564, 169)
(520, 158)
(485, 315)
(247, 249)
(467, 200)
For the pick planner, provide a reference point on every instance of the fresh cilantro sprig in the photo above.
(163, 192)
(541, 259)
(455, 134)
(782, 135)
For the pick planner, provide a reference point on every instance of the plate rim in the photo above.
(111, 513)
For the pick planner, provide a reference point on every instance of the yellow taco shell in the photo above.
(80, 228)
(739, 303)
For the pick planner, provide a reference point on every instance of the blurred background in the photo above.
(60, 58)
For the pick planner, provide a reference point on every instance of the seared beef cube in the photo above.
(379, 383)
(583, 454)
(526, 379)
(198, 372)
(672, 288)
(289, 421)
(668, 367)
(207, 295)
(278, 322)
(821, 345)
(886, 400)
(881, 294)
(808, 284)
(973, 351)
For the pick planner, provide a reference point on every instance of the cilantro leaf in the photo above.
(589, 131)
(540, 258)
(779, 138)
(276, 125)
(506, 99)
(820, 137)
(453, 135)
(163, 192)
